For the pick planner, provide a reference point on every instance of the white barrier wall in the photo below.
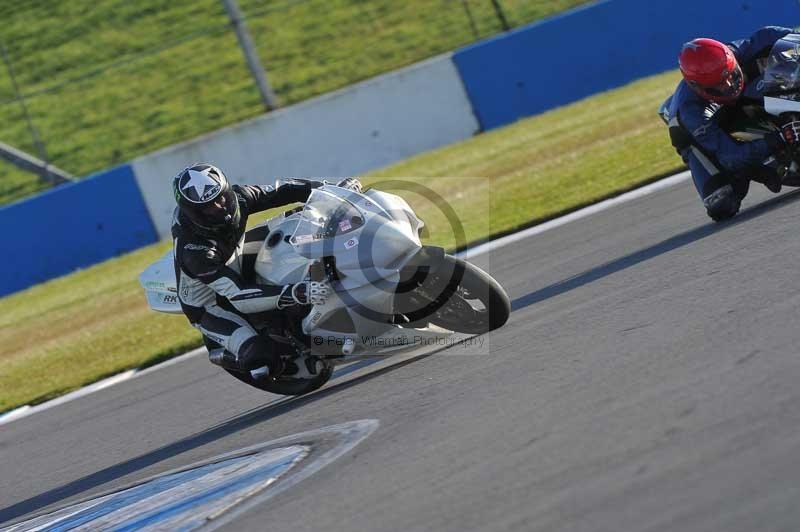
(348, 132)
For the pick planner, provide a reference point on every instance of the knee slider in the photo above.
(723, 203)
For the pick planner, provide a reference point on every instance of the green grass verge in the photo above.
(109, 80)
(16, 185)
(77, 329)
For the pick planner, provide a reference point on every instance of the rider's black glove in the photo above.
(791, 133)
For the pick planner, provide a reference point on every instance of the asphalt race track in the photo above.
(647, 380)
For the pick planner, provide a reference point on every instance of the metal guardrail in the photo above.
(29, 163)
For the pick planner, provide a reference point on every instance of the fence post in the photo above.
(42, 168)
(471, 18)
(250, 54)
(29, 163)
(501, 16)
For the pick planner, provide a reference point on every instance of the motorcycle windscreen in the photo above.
(325, 216)
(783, 67)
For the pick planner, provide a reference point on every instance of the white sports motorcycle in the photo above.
(389, 292)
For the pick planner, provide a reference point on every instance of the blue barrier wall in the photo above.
(598, 47)
(72, 226)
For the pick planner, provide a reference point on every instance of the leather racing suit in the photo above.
(698, 130)
(214, 274)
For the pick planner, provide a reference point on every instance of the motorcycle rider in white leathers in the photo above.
(214, 258)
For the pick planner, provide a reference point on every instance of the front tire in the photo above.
(460, 297)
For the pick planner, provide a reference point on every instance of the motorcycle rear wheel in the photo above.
(286, 386)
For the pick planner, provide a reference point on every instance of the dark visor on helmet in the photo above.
(218, 212)
(730, 86)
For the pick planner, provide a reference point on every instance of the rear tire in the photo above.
(286, 386)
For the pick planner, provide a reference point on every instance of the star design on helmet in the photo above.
(199, 181)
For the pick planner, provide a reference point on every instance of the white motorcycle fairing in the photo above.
(371, 236)
(160, 286)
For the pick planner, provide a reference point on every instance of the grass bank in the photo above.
(77, 329)
(109, 80)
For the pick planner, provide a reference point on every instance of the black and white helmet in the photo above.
(206, 199)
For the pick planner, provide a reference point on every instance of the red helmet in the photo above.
(711, 70)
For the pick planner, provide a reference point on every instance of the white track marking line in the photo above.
(21, 412)
(171, 361)
(14, 414)
(24, 411)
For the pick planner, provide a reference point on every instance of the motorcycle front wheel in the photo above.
(460, 297)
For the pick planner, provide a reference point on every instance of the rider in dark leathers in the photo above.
(214, 259)
(719, 80)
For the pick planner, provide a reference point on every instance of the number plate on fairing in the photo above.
(160, 287)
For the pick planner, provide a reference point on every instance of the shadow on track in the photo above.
(650, 252)
(241, 422)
